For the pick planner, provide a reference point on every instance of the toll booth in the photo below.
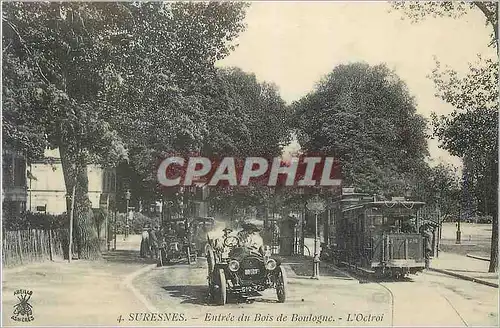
(287, 236)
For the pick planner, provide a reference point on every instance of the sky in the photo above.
(294, 44)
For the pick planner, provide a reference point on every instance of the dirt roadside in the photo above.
(75, 294)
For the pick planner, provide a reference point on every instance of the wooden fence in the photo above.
(26, 246)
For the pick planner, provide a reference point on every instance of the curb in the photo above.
(477, 257)
(128, 283)
(464, 277)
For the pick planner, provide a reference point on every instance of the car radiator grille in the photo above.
(252, 264)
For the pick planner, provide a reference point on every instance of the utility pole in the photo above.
(71, 216)
(114, 230)
(127, 197)
(115, 207)
(440, 224)
(317, 206)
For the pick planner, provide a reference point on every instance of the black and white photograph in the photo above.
(250, 163)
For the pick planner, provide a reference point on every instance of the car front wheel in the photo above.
(281, 285)
(222, 294)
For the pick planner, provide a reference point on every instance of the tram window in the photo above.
(377, 220)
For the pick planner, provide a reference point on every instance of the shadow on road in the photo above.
(371, 278)
(191, 294)
(305, 270)
(469, 271)
(127, 256)
(198, 294)
(263, 300)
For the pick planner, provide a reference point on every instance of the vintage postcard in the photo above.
(261, 164)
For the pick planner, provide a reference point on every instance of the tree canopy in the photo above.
(471, 130)
(364, 116)
(92, 79)
(420, 10)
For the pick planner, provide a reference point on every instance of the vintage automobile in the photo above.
(200, 227)
(243, 271)
(176, 244)
(327, 252)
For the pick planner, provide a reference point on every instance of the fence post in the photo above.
(20, 246)
(37, 244)
(50, 245)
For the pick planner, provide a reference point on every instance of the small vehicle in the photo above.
(200, 227)
(243, 271)
(327, 252)
(480, 219)
(176, 244)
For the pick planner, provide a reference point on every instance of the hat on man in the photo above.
(250, 227)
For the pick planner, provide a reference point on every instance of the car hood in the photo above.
(240, 253)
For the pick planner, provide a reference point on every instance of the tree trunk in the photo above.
(494, 213)
(86, 240)
(494, 245)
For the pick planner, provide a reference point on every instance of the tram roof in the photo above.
(385, 203)
(396, 202)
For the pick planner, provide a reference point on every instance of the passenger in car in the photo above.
(250, 237)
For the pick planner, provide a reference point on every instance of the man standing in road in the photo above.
(154, 242)
(145, 246)
(427, 234)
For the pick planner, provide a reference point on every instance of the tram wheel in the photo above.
(379, 273)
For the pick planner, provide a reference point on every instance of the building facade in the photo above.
(47, 190)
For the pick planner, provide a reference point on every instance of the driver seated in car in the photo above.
(218, 243)
(249, 237)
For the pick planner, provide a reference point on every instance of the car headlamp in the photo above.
(271, 264)
(267, 251)
(234, 265)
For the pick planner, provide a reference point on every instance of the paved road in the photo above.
(429, 299)
(183, 289)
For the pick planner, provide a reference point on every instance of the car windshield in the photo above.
(250, 239)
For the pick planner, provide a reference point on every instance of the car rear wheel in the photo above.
(281, 285)
(210, 260)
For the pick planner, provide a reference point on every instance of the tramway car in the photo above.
(379, 237)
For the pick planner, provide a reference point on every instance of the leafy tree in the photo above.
(440, 186)
(171, 63)
(365, 117)
(53, 56)
(420, 10)
(471, 130)
(69, 64)
(471, 133)
(247, 119)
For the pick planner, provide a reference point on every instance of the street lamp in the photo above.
(127, 197)
(317, 206)
(440, 225)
